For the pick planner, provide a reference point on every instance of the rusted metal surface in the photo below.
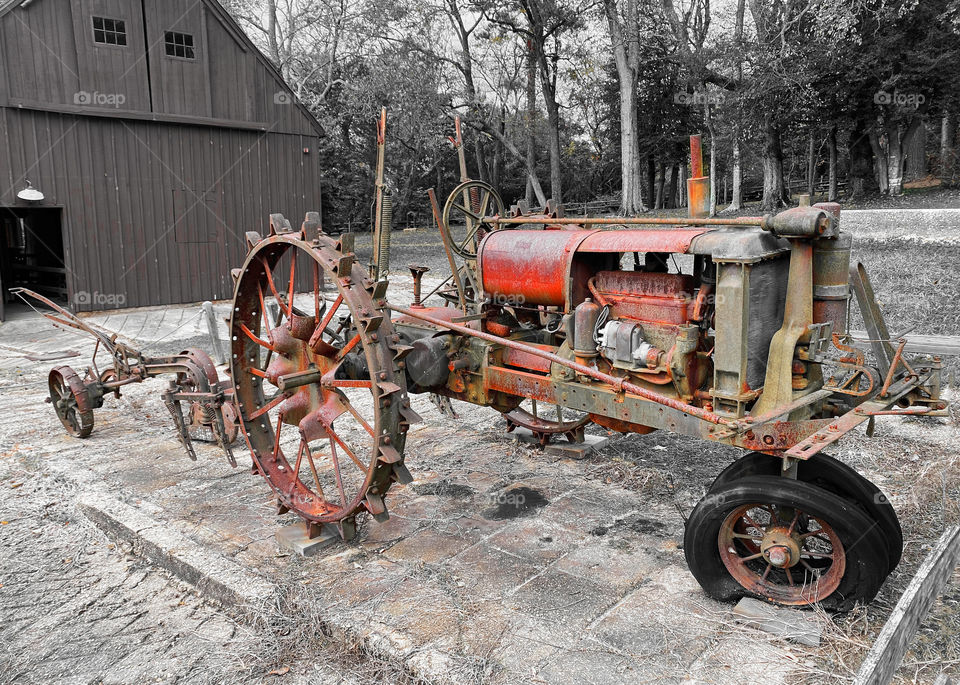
(838, 427)
(618, 383)
(528, 267)
(524, 360)
(208, 400)
(761, 221)
(655, 297)
(677, 240)
(792, 562)
(696, 157)
(336, 379)
(698, 185)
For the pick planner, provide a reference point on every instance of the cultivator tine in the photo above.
(173, 406)
(220, 432)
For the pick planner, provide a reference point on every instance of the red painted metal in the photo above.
(528, 267)
(641, 240)
(533, 267)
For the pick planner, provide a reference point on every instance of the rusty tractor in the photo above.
(730, 330)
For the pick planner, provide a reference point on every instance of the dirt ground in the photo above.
(76, 607)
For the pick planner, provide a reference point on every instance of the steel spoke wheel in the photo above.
(321, 396)
(468, 204)
(834, 476)
(784, 541)
(71, 401)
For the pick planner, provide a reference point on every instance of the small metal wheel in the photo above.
(834, 476)
(468, 204)
(71, 400)
(547, 421)
(784, 541)
(321, 397)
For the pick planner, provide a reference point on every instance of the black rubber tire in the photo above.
(862, 541)
(833, 475)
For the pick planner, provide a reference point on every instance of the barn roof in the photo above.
(235, 31)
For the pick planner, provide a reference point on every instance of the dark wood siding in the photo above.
(39, 55)
(180, 86)
(156, 212)
(49, 61)
(108, 73)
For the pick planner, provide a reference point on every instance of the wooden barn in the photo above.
(138, 142)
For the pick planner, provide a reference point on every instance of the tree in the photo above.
(625, 41)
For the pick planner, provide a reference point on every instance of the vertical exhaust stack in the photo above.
(383, 217)
(831, 275)
(698, 185)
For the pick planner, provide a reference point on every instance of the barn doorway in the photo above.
(31, 255)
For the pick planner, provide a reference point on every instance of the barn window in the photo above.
(178, 44)
(109, 31)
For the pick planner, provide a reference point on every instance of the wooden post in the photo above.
(211, 320)
(887, 652)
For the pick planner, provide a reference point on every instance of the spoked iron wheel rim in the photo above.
(468, 204)
(328, 375)
(782, 553)
(71, 401)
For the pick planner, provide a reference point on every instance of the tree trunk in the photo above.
(496, 169)
(681, 185)
(880, 172)
(671, 197)
(661, 184)
(651, 177)
(713, 166)
(631, 179)
(915, 152)
(832, 144)
(946, 149)
(861, 178)
(774, 192)
(811, 166)
(895, 158)
(736, 200)
(549, 89)
(273, 44)
(626, 57)
(553, 119)
(530, 117)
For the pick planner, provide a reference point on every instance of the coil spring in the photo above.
(386, 223)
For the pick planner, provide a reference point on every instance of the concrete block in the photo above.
(788, 623)
(212, 574)
(560, 446)
(577, 450)
(294, 538)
